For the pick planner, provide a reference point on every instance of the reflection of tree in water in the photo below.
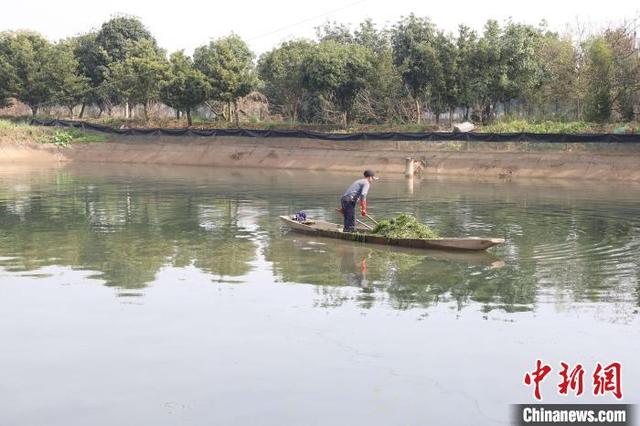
(126, 235)
(404, 279)
(558, 248)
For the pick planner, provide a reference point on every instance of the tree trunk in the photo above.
(450, 116)
(146, 112)
(82, 110)
(189, 122)
(127, 111)
(235, 113)
(345, 119)
(34, 109)
(230, 113)
(466, 113)
(71, 111)
(418, 114)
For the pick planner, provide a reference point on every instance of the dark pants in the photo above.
(349, 209)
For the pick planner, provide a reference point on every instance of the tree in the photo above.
(118, 36)
(67, 86)
(93, 62)
(411, 40)
(333, 31)
(558, 62)
(140, 76)
(490, 82)
(339, 72)
(369, 36)
(27, 53)
(228, 65)
(466, 45)
(383, 99)
(186, 87)
(625, 72)
(598, 99)
(8, 78)
(520, 45)
(281, 71)
(441, 63)
(115, 42)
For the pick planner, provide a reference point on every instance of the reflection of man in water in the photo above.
(354, 269)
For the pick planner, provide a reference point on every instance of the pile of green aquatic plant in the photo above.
(404, 226)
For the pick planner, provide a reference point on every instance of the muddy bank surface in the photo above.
(507, 160)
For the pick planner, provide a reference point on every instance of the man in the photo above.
(357, 191)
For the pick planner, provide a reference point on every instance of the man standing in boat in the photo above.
(357, 191)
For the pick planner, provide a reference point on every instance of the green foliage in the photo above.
(412, 39)
(93, 63)
(228, 65)
(8, 80)
(281, 69)
(118, 37)
(466, 45)
(28, 54)
(369, 75)
(186, 87)
(139, 77)
(338, 72)
(63, 138)
(598, 100)
(520, 45)
(559, 80)
(69, 88)
(404, 226)
(336, 32)
(625, 72)
(442, 65)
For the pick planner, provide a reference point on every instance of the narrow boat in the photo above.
(334, 230)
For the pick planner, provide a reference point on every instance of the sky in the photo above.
(264, 24)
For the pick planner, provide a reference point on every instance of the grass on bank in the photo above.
(505, 125)
(502, 126)
(517, 126)
(22, 131)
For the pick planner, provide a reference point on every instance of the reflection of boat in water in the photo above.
(334, 230)
(320, 243)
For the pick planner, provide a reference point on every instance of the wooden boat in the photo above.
(334, 230)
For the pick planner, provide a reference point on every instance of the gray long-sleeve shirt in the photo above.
(357, 190)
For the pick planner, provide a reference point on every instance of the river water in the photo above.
(173, 296)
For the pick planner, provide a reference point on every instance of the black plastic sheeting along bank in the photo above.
(383, 136)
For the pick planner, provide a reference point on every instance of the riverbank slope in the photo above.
(505, 160)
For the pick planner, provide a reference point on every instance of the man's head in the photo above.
(370, 175)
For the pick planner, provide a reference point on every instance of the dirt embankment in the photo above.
(610, 162)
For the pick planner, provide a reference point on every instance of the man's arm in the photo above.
(363, 198)
(365, 190)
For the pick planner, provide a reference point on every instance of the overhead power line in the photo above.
(304, 21)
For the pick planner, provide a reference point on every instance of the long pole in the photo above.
(357, 220)
(372, 219)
